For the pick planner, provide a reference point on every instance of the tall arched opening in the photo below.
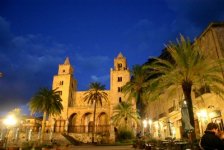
(86, 122)
(102, 123)
(72, 123)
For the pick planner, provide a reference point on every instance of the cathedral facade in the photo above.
(77, 115)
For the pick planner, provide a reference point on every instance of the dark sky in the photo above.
(37, 35)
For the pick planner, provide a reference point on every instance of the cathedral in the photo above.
(77, 115)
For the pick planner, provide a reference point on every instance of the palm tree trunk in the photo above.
(43, 126)
(94, 120)
(126, 122)
(140, 105)
(187, 86)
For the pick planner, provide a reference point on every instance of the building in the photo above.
(77, 115)
(166, 112)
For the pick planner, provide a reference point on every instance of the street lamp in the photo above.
(146, 123)
(150, 125)
(9, 121)
(202, 115)
(144, 126)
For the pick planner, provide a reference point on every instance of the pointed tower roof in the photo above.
(67, 62)
(120, 55)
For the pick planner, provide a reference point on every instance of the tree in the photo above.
(124, 114)
(47, 102)
(136, 86)
(95, 96)
(188, 68)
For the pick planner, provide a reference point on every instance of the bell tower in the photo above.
(66, 85)
(119, 76)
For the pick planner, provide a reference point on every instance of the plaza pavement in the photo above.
(92, 147)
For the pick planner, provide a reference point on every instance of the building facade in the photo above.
(77, 115)
(165, 112)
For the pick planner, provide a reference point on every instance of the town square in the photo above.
(113, 74)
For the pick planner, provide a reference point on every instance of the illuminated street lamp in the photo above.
(9, 121)
(150, 125)
(202, 115)
(144, 126)
(146, 123)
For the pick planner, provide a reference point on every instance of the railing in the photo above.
(70, 129)
(88, 129)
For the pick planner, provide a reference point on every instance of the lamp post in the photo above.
(9, 121)
(146, 123)
(150, 125)
(144, 126)
(202, 115)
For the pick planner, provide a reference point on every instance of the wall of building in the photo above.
(77, 114)
(167, 109)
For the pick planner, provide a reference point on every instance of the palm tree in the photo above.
(188, 68)
(95, 95)
(47, 102)
(136, 86)
(124, 114)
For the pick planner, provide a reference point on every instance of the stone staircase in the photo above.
(72, 140)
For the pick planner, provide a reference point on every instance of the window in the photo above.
(61, 83)
(120, 100)
(119, 89)
(119, 66)
(63, 70)
(119, 79)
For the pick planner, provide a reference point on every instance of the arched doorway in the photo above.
(85, 122)
(72, 126)
(102, 123)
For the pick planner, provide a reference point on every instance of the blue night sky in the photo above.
(37, 35)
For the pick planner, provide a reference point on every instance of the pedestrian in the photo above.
(210, 140)
(139, 135)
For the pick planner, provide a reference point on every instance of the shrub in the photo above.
(124, 135)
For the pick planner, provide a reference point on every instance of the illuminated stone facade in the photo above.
(165, 112)
(77, 115)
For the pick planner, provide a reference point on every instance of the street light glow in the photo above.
(150, 122)
(144, 123)
(10, 120)
(202, 114)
